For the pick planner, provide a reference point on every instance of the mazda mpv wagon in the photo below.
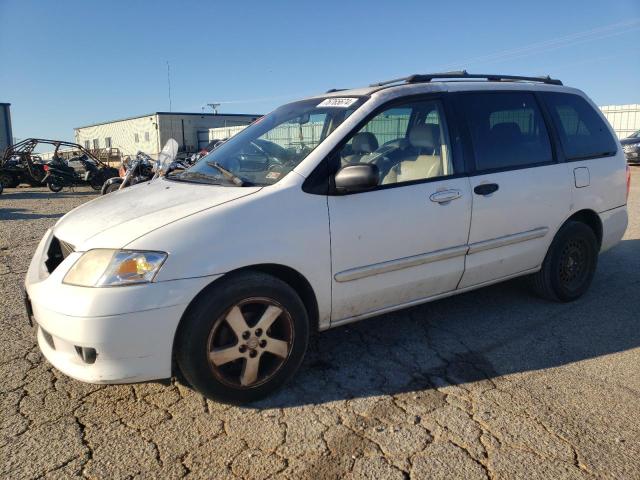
(326, 211)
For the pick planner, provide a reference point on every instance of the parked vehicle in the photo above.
(385, 197)
(631, 147)
(142, 168)
(133, 171)
(20, 163)
(79, 170)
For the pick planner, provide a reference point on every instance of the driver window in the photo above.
(407, 143)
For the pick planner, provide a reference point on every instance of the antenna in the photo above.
(214, 107)
(169, 83)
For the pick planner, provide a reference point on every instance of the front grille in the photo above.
(58, 251)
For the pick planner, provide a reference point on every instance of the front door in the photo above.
(405, 240)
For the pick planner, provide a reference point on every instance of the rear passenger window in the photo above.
(507, 130)
(582, 131)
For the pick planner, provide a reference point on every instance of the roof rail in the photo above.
(463, 74)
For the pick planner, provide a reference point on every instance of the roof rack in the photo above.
(428, 77)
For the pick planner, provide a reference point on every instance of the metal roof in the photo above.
(202, 114)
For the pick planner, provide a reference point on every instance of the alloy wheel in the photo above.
(250, 342)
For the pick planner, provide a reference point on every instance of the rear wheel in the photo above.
(243, 339)
(54, 186)
(96, 182)
(570, 264)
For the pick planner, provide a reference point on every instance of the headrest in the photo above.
(364, 142)
(506, 131)
(424, 136)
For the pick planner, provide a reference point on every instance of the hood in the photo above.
(118, 218)
(630, 140)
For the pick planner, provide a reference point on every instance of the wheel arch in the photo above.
(290, 276)
(591, 219)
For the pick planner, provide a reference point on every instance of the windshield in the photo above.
(635, 134)
(264, 152)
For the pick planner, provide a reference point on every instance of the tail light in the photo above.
(46, 168)
(628, 181)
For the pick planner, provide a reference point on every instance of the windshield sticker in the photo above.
(273, 175)
(337, 102)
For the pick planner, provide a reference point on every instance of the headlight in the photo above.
(110, 268)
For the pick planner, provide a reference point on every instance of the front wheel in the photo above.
(570, 264)
(243, 339)
(8, 181)
(54, 185)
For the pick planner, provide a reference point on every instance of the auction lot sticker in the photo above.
(337, 102)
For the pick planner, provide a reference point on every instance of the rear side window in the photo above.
(507, 130)
(582, 131)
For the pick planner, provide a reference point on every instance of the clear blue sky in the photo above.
(65, 64)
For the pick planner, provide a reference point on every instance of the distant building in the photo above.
(6, 134)
(150, 132)
(625, 119)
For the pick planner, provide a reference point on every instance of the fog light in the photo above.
(87, 354)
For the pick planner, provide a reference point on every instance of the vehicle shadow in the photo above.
(480, 335)
(17, 214)
(17, 194)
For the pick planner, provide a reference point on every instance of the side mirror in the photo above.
(357, 178)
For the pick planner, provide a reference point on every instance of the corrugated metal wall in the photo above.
(130, 136)
(625, 119)
(5, 127)
(150, 133)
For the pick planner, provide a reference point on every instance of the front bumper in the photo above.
(106, 335)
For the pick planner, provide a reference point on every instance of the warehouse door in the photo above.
(203, 139)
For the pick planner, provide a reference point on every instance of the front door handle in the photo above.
(445, 196)
(486, 188)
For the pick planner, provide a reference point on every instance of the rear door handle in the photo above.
(445, 196)
(486, 188)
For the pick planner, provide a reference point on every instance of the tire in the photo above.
(111, 187)
(207, 331)
(8, 181)
(570, 264)
(95, 183)
(54, 186)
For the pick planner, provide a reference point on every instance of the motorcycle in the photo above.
(143, 168)
(60, 174)
(138, 170)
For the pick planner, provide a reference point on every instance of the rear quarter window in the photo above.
(582, 131)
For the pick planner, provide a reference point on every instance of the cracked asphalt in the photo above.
(494, 383)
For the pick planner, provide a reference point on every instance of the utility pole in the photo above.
(214, 107)
(169, 83)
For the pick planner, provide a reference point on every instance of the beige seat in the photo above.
(425, 162)
(363, 144)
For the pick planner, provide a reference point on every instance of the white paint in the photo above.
(400, 239)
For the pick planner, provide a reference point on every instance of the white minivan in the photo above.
(326, 211)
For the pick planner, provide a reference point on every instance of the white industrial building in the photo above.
(625, 119)
(6, 135)
(150, 132)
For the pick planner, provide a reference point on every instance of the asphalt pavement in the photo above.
(495, 383)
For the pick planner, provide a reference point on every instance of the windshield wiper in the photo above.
(186, 176)
(236, 180)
